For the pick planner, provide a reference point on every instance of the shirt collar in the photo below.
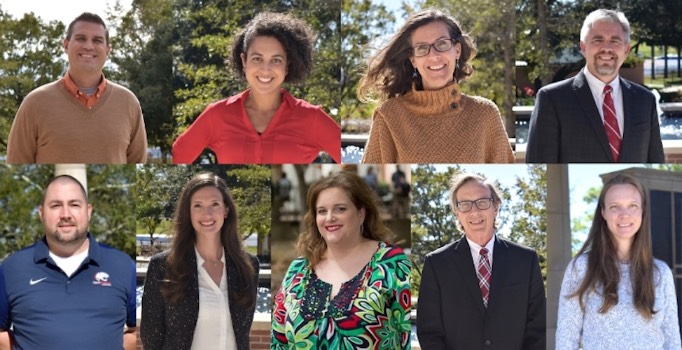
(477, 248)
(42, 251)
(242, 96)
(201, 261)
(71, 86)
(597, 86)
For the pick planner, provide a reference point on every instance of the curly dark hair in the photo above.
(294, 34)
(178, 272)
(389, 72)
(310, 242)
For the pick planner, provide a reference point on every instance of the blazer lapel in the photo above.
(590, 111)
(500, 270)
(465, 267)
(630, 114)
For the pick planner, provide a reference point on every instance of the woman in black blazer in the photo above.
(206, 257)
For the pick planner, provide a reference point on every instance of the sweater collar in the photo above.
(437, 103)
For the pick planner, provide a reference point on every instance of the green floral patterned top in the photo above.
(371, 311)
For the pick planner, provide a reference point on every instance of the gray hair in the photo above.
(603, 15)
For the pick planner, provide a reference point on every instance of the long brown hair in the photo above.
(602, 258)
(389, 73)
(182, 248)
(310, 243)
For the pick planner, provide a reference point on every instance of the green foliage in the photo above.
(362, 23)
(159, 187)
(109, 192)
(30, 56)
(529, 219)
(203, 35)
(492, 25)
(434, 224)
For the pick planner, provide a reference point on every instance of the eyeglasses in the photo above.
(441, 45)
(481, 204)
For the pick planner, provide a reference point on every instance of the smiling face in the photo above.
(622, 212)
(436, 68)
(65, 213)
(478, 225)
(605, 50)
(207, 211)
(87, 48)
(265, 65)
(337, 218)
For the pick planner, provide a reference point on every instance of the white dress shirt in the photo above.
(214, 329)
(597, 88)
(476, 252)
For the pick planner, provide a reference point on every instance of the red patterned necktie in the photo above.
(611, 123)
(484, 275)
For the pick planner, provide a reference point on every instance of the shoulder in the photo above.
(389, 252)
(515, 247)
(43, 91)
(111, 254)
(559, 86)
(444, 250)
(662, 271)
(254, 261)
(122, 91)
(20, 257)
(480, 102)
(634, 87)
(578, 264)
(306, 108)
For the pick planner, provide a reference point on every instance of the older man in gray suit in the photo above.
(596, 116)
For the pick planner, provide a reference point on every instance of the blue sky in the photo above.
(582, 177)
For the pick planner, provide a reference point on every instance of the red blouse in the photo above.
(296, 134)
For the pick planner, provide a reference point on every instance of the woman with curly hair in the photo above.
(201, 294)
(265, 124)
(350, 289)
(615, 294)
(423, 117)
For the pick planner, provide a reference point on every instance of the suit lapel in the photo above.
(630, 114)
(500, 270)
(590, 111)
(465, 267)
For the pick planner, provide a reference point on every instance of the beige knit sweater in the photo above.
(441, 126)
(51, 126)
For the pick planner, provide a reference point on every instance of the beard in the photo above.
(74, 237)
(605, 69)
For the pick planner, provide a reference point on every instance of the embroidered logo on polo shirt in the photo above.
(33, 282)
(102, 279)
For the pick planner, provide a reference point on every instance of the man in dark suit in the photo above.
(596, 116)
(480, 292)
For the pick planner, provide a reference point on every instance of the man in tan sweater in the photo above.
(82, 117)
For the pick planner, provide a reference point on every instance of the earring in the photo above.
(454, 73)
(362, 229)
(415, 74)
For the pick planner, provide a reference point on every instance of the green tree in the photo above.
(203, 35)
(362, 24)
(30, 56)
(434, 223)
(492, 24)
(529, 218)
(22, 187)
(142, 56)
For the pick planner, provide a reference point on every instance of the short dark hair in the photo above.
(294, 34)
(63, 178)
(88, 17)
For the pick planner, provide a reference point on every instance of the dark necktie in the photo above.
(484, 275)
(611, 123)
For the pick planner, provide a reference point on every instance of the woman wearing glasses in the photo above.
(423, 116)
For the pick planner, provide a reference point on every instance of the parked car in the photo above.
(145, 240)
(659, 65)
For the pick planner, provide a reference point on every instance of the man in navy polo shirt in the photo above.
(67, 291)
